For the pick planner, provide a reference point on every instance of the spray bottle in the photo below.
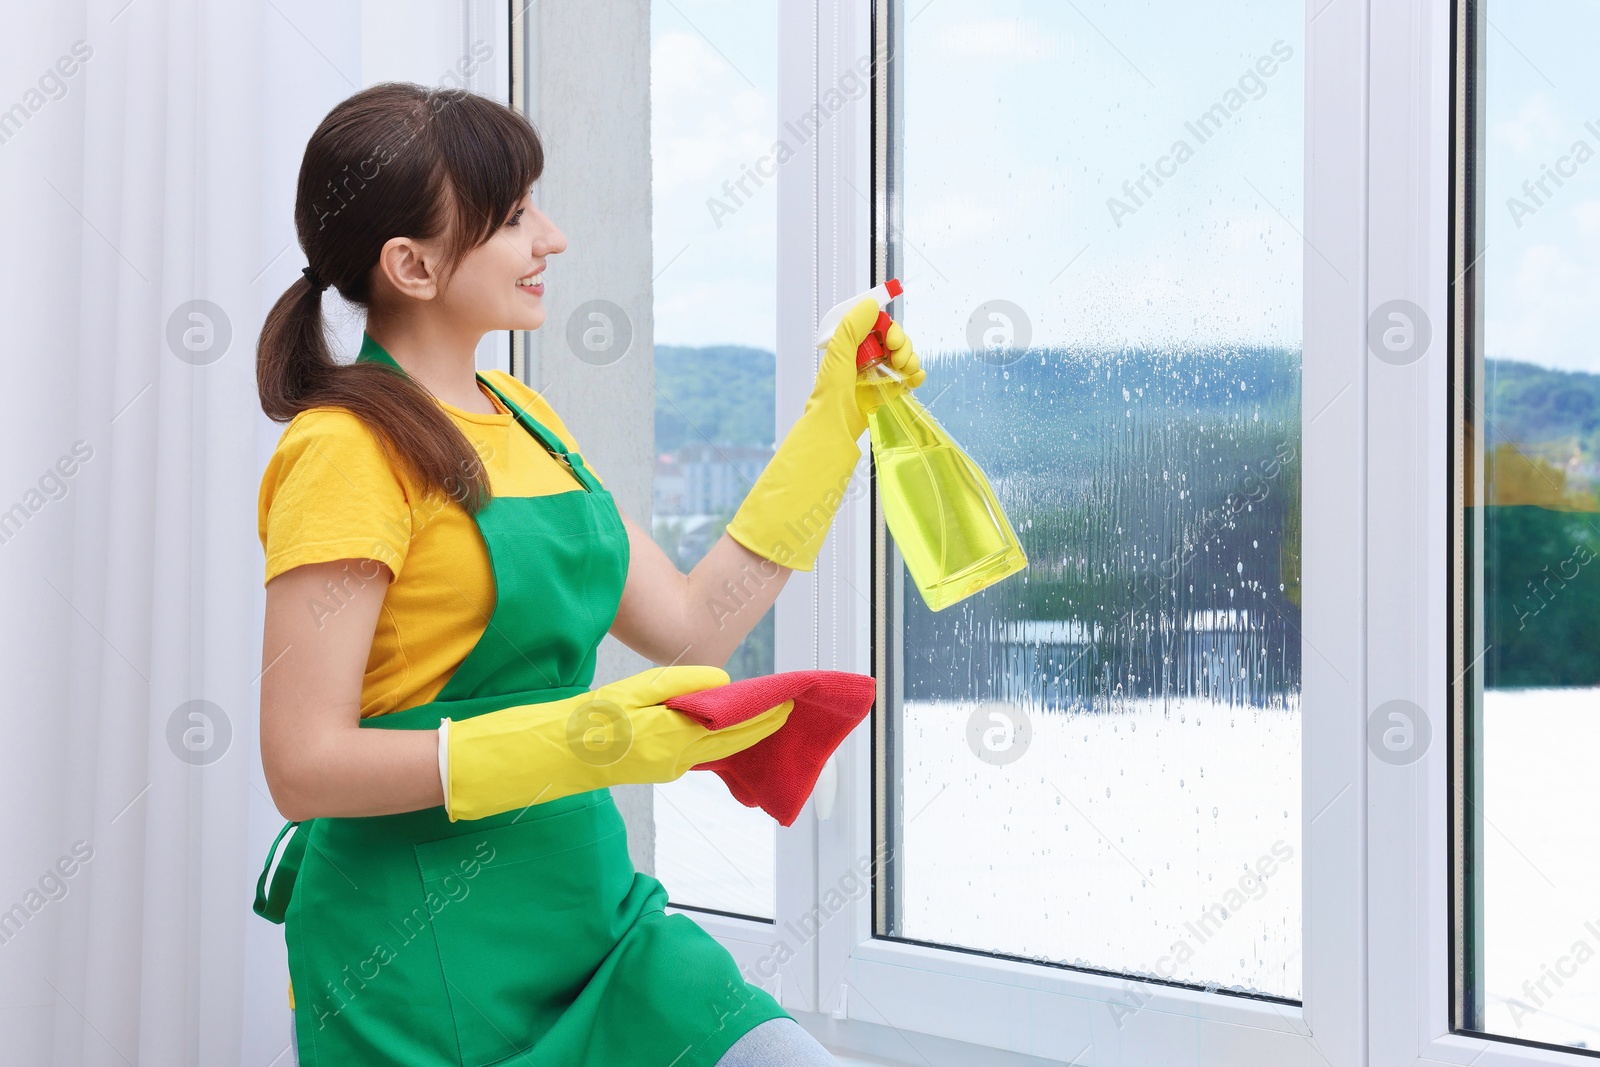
(937, 503)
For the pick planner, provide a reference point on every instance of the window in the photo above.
(1528, 526)
(1096, 762)
(1267, 323)
(712, 109)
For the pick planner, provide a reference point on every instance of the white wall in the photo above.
(587, 91)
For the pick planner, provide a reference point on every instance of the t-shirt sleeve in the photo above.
(329, 492)
(536, 405)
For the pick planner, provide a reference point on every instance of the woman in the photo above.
(441, 565)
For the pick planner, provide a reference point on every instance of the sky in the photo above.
(1541, 261)
(713, 112)
(1015, 171)
(1009, 170)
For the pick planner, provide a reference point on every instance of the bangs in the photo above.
(490, 156)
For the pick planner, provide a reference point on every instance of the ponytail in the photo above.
(295, 371)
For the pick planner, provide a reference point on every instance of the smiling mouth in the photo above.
(533, 283)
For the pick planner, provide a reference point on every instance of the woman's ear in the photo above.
(408, 267)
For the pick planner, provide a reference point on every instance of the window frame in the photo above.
(1061, 1012)
(1377, 950)
(1419, 222)
(1466, 341)
(1464, 480)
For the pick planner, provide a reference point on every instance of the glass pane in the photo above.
(1535, 529)
(1098, 759)
(713, 110)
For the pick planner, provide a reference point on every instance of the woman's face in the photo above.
(485, 293)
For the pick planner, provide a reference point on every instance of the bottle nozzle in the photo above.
(874, 348)
(881, 295)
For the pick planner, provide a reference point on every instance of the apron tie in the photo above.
(271, 904)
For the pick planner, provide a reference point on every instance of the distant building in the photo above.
(706, 479)
(1227, 655)
(669, 485)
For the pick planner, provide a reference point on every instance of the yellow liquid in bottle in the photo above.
(938, 505)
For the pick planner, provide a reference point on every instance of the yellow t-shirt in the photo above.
(329, 493)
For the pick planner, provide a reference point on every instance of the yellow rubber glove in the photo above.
(615, 735)
(787, 512)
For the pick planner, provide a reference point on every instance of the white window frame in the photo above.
(1410, 430)
(1376, 895)
(1065, 1014)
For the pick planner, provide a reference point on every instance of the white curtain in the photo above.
(148, 153)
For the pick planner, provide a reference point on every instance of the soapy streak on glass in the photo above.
(1169, 521)
(1153, 645)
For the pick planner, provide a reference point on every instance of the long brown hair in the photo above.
(394, 160)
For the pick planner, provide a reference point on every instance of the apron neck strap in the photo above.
(372, 352)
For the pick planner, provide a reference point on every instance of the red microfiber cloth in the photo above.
(778, 772)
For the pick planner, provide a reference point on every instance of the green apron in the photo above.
(525, 937)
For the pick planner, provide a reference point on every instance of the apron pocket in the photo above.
(523, 914)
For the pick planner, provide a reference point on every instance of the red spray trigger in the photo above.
(874, 348)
